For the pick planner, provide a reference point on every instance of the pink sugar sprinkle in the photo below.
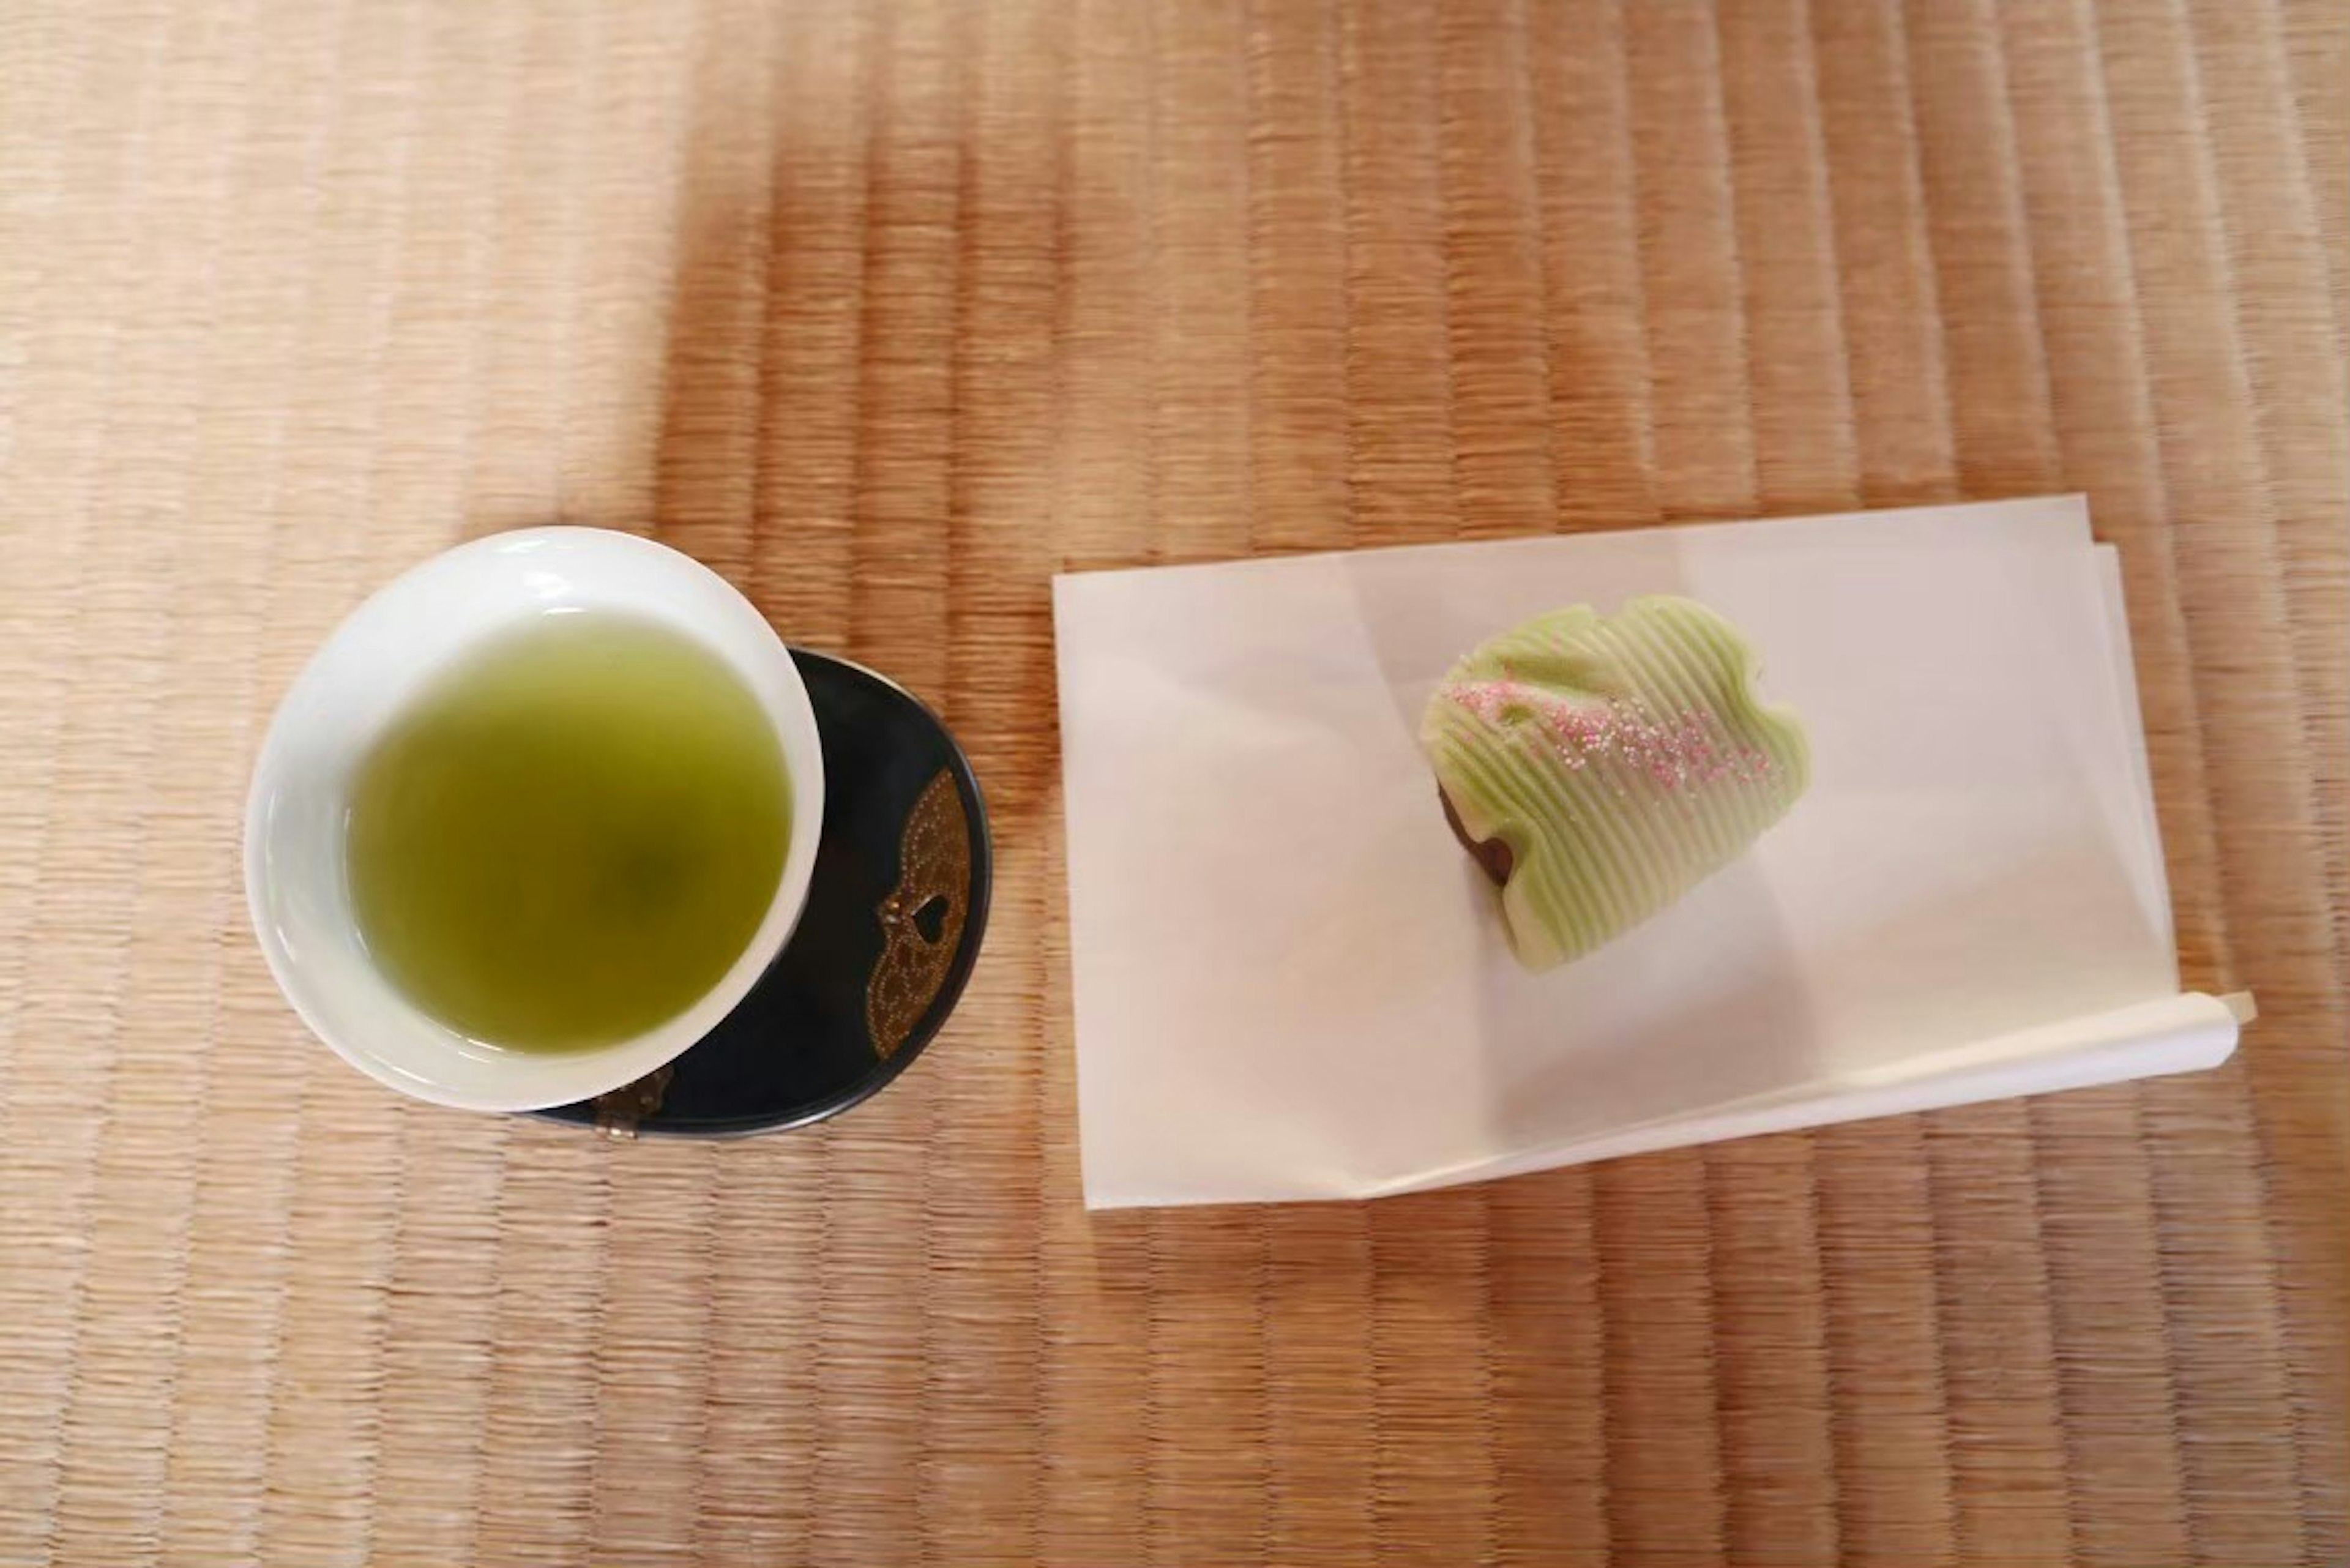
(1678, 752)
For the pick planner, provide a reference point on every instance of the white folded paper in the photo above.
(1291, 983)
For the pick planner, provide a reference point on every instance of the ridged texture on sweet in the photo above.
(1623, 759)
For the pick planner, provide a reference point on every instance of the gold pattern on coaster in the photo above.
(618, 1112)
(933, 890)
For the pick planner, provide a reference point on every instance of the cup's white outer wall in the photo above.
(295, 878)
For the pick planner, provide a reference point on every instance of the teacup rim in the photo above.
(497, 1078)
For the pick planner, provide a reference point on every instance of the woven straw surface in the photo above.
(889, 311)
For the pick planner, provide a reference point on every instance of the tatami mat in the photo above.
(890, 310)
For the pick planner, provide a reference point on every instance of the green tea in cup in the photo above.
(570, 835)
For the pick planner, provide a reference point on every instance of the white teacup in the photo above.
(375, 663)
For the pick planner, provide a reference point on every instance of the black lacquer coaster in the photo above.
(892, 926)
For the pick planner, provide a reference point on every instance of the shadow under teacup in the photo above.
(390, 651)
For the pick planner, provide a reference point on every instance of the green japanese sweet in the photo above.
(1601, 766)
